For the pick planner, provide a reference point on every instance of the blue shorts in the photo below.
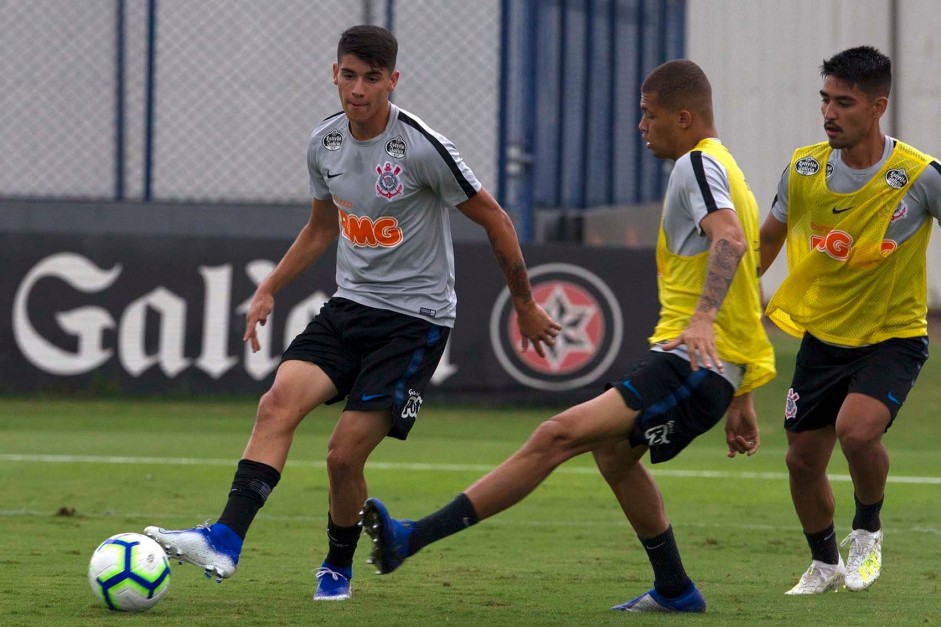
(824, 374)
(675, 403)
(377, 359)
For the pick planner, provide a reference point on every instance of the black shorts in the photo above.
(377, 359)
(824, 374)
(675, 403)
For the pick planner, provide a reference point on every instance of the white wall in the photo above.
(763, 58)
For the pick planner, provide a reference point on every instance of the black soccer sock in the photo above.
(343, 541)
(251, 486)
(456, 516)
(669, 576)
(823, 546)
(867, 516)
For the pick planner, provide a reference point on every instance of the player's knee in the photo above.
(857, 442)
(607, 461)
(802, 464)
(551, 439)
(275, 413)
(342, 463)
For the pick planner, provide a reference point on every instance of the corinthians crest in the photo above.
(389, 185)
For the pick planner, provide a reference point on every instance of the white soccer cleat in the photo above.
(819, 578)
(197, 547)
(864, 562)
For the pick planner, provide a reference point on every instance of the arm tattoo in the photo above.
(723, 262)
(514, 271)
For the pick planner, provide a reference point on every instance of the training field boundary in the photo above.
(481, 468)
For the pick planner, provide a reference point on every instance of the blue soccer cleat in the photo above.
(652, 601)
(214, 548)
(390, 537)
(333, 584)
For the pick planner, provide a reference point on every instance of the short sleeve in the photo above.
(318, 185)
(779, 204)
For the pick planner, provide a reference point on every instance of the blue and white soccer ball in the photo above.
(129, 572)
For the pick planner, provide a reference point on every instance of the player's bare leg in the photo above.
(297, 389)
(642, 502)
(808, 455)
(576, 430)
(633, 486)
(859, 427)
(354, 438)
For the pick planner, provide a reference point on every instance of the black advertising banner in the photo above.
(166, 315)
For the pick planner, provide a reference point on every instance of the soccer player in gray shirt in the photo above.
(382, 184)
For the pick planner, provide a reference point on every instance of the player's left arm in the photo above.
(535, 325)
(705, 194)
(726, 248)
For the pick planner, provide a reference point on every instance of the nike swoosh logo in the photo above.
(835, 210)
(892, 398)
(330, 176)
(370, 397)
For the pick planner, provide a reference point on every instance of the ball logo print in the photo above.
(896, 178)
(586, 346)
(396, 148)
(129, 572)
(808, 166)
(333, 140)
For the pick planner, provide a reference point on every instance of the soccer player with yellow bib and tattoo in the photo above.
(708, 353)
(856, 212)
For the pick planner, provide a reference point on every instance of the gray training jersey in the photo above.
(921, 202)
(393, 193)
(698, 185)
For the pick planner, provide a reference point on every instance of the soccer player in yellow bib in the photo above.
(856, 212)
(708, 352)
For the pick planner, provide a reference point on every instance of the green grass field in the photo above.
(75, 471)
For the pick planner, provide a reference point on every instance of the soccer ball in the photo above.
(129, 572)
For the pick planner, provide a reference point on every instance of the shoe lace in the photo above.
(860, 549)
(815, 576)
(323, 571)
